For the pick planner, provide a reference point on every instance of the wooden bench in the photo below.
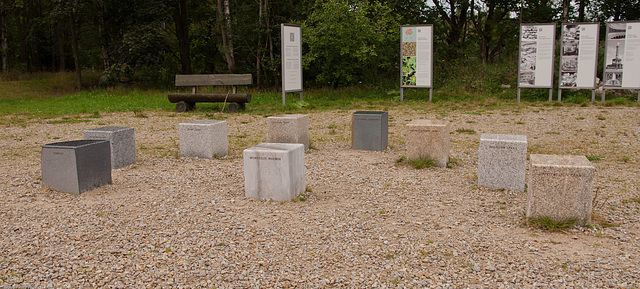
(233, 100)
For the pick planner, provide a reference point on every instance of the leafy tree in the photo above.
(543, 11)
(349, 42)
(454, 13)
(490, 18)
(616, 10)
(182, 33)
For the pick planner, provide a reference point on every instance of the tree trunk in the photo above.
(74, 45)
(456, 20)
(182, 33)
(5, 41)
(23, 56)
(259, 46)
(269, 43)
(104, 37)
(224, 23)
(581, 11)
(60, 46)
(565, 10)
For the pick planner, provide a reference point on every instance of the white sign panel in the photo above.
(537, 44)
(622, 57)
(579, 55)
(416, 56)
(291, 57)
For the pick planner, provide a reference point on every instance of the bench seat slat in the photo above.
(213, 79)
(188, 97)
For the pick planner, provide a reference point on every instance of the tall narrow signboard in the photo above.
(622, 57)
(579, 57)
(291, 46)
(416, 58)
(537, 49)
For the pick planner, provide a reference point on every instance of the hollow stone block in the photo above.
(428, 138)
(274, 171)
(370, 130)
(203, 139)
(288, 128)
(123, 143)
(560, 187)
(502, 161)
(76, 166)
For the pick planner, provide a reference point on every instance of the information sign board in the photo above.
(622, 56)
(579, 55)
(416, 56)
(537, 44)
(291, 57)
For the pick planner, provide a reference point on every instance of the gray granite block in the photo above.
(274, 171)
(123, 143)
(288, 128)
(502, 161)
(429, 138)
(76, 166)
(203, 139)
(370, 130)
(560, 187)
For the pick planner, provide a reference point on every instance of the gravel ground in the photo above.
(366, 223)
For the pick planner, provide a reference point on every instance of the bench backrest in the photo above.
(213, 79)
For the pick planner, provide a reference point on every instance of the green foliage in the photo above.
(419, 163)
(593, 158)
(466, 130)
(550, 224)
(631, 200)
(88, 102)
(350, 42)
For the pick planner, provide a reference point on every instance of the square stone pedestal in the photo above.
(370, 130)
(123, 143)
(288, 128)
(203, 139)
(428, 138)
(502, 161)
(76, 166)
(274, 171)
(560, 187)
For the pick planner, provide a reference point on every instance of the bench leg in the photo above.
(183, 106)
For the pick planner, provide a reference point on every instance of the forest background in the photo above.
(346, 43)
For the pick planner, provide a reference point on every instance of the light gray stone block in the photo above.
(502, 161)
(203, 139)
(274, 171)
(76, 166)
(370, 130)
(560, 187)
(288, 128)
(429, 138)
(123, 143)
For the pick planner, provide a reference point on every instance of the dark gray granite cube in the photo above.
(560, 187)
(123, 143)
(76, 166)
(370, 130)
(502, 161)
